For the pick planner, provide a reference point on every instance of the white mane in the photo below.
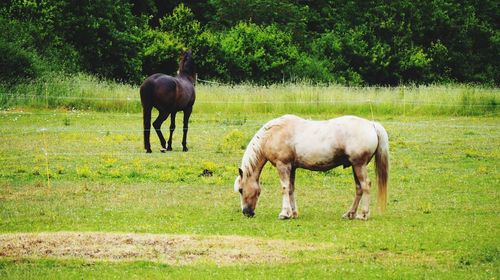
(253, 154)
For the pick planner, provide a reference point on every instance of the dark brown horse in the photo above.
(169, 95)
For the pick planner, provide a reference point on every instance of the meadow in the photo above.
(79, 198)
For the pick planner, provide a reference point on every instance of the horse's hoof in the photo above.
(148, 151)
(163, 150)
(169, 148)
(362, 217)
(283, 217)
(348, 215)
(185, 149)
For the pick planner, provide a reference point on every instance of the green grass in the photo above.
(347, 268)
(82, 92)
(441, 221)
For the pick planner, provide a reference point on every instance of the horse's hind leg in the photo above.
(146, 111)
(162, 116)
(351, 213)
(363, 186)
(187, 114)
(172, 128)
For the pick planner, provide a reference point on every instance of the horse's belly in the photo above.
(323, 166)
(314, 158)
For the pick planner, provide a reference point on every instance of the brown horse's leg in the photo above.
(362, 175)
(351, 213)
(293, 203)
(146, 112)
(187, 114)
(162, 116)
(172, 128)
(284, 171)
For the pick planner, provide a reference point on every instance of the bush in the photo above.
(30, 25)
(161, 53)
(185, 32)
(259, 41)
(345, 56)
(107, 36)
(182, 24)
(18, 59)
(16, 64)
(310, 69)
(415, 65)
(255, 53)
(209, 57)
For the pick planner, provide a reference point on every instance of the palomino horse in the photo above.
(169, 95)
(290, 142)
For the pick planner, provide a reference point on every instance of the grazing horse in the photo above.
(169, 95)
(290, 142)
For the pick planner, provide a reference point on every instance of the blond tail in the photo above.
(382, 165)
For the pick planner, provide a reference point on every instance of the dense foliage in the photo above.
(348, 42)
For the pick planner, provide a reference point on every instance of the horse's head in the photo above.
(187, 67)
(249, 190)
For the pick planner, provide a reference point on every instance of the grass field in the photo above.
(80, 199)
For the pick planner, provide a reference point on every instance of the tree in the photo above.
(257, 53)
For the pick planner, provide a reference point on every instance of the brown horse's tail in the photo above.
(382, 165)
(146, 92)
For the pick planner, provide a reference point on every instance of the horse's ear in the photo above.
(241, 172)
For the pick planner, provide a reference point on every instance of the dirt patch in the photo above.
(170, 249)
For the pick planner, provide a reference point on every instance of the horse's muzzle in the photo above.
(247, 211)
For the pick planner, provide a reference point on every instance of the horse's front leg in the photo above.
(187, 114)
(284, 171)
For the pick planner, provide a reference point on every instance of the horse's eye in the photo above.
(241, 191)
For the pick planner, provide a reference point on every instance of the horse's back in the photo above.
(157, 86)
(321, 145)
(342, 131)
(355, 134)
(166, 92)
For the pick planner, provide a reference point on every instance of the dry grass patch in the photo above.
(169, 249)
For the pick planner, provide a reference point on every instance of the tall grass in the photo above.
(85, 92)
(81, 92)
(307, 99)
